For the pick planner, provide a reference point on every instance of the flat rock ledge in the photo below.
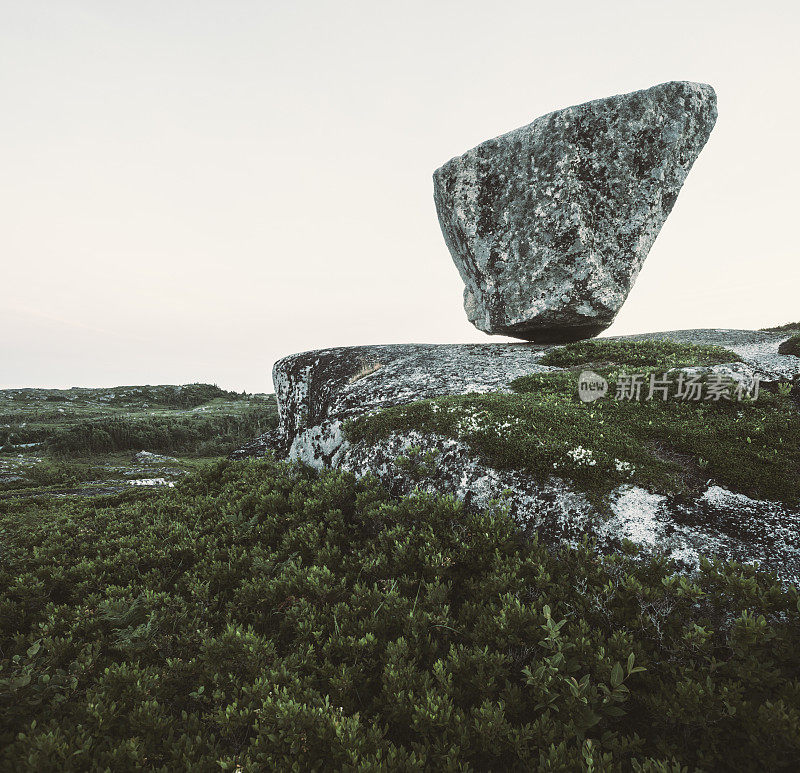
(318, 391)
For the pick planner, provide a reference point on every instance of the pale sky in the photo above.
(190, 190)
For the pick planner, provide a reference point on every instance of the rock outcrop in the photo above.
(148, 457)
(550, 224)
(717, 522)
(319, 391)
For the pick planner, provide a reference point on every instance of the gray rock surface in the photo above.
(761, 349)
(717, 522)
(550, 224)
(318, 391)
(148, 457)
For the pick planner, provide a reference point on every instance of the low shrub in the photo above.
(56, 473)
(262, 616)
(20, 432)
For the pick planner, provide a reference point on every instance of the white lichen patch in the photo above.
(317, 446)
(637, 516)
(624, 468)
(721, 497)
(582, 457)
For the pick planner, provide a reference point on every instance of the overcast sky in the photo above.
(190, 190)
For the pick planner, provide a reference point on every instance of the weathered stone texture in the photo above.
(318, 391)
(549, 224)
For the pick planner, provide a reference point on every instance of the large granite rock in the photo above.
(318, 391)
(549, 224)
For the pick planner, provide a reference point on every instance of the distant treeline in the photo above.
(169, 395)
(194, 435)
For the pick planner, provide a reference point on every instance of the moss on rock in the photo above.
(752, 447)
(650, 354)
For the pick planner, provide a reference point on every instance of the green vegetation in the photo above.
(186, 396)
(197, 434)
(166, 395)
(263, 617)
(51, 439)
(58, 473)
(792, 346)
(648, 354)
(752, 447)
(59, 418)
(781, 328)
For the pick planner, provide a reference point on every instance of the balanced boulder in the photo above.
(550, 224)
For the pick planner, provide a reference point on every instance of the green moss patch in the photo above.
(263, 617)
(674, 446)
(651, 354)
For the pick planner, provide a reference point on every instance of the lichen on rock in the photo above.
(321, 392)
(550, 224)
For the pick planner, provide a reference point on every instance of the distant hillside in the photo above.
(81, 440)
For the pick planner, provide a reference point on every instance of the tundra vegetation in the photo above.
(669, 446)
(265, 616)
(81, 441)
(782, 328)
